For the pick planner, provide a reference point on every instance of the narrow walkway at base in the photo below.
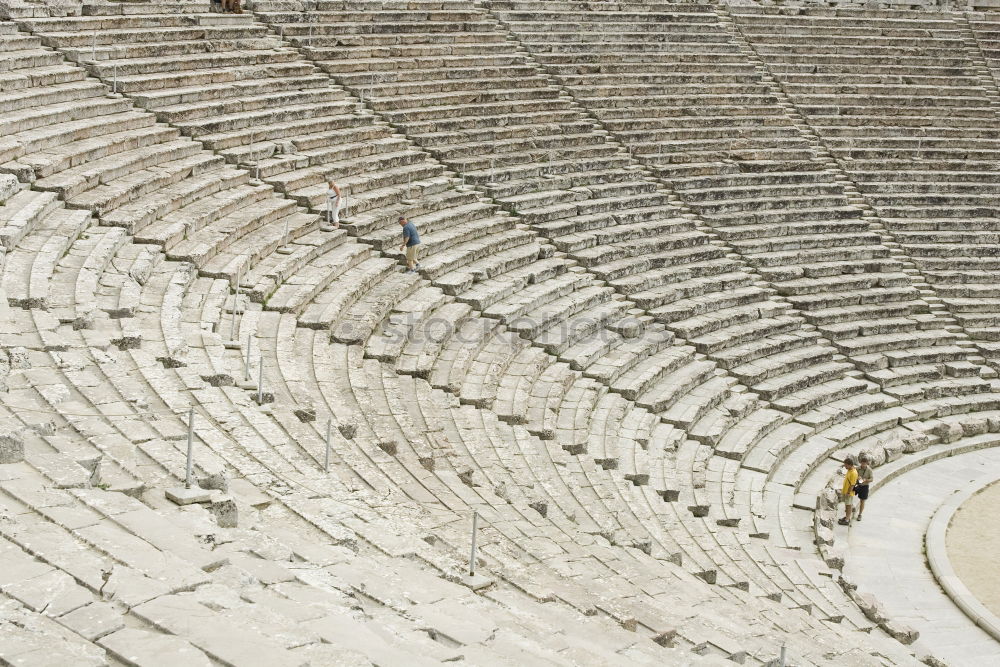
(973, 544)
(886, 556)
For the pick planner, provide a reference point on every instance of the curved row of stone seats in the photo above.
(433, 446)
(910, 119)
(194, 299)
(640, 473)
(77, 557)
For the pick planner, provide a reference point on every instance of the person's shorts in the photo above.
(862, 491)
(849, 499)
(411, 252)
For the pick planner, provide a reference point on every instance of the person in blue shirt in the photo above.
(411, 242)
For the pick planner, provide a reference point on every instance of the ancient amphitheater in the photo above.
(680, 260)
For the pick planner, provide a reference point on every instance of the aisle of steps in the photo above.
(907, 109)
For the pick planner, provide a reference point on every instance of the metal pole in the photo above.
(236, 305)
(187, 471)
(246, 364)
(326, 455)
(260, 381)
(93, 48)
(781, 659)
(472, 552)
(114, 84)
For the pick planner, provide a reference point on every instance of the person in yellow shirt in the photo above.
(850, 480)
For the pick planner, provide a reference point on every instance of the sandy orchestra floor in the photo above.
(974, 541)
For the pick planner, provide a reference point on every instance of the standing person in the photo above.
(847, 491)
(865, 477)
(411, 242)
(334, 202)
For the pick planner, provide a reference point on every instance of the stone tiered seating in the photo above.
(907, 111)
(181, 303)
(239, 91)
(746, 183)
(66, 135)
(634, 389)
(430, 445)
(768, 203)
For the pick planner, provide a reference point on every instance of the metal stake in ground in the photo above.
(236, 307)
(472, 552)
(246, 363)
(326, 454)
(260, 381)
(190, 460)
(93, 48)
(781, 658)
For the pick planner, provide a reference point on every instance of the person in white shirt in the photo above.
(334, 202)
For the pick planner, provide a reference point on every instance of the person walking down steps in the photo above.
(411, 243)
(334, 204)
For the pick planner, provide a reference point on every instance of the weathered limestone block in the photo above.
(975, 426)
(11, 444)
(948, 431)
(832, 556)
(917, 442)
(18, 358)
(824, 535)
(9, 186)
(846, 583)
(225, 512)
(875, 454)
(893, 450)
(869, 606)
(829, 499)
(994, 424)
(901, 632)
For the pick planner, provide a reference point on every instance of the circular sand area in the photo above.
(973, 542)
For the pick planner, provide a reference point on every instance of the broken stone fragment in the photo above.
(11, 445)
(225, 512)
(348, 430)
(9, 186)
